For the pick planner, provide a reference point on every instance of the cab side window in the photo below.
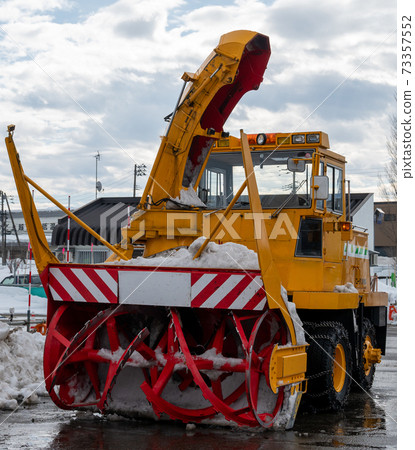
(320, 203)
(335, 200)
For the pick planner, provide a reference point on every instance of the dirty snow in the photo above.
(21, 369)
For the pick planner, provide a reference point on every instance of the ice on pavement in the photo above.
(21, 369)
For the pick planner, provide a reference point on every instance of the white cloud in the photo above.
(103, 79)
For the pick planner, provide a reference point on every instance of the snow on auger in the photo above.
(205, 327)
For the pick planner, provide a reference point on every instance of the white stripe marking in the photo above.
(67, 285)
(243, 298)
(201, 283)
(89, 284)
(261, 305)
(222, 291)
(55, 295)
(108, 280)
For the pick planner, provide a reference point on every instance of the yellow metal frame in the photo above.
(326, 300)
(287, 366)
(218, 70)
(40, 247)
(269, 271)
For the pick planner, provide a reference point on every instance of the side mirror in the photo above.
(321, 186)
(296, 165)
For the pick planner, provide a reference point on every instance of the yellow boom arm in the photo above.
(40, 247)
(234, 67)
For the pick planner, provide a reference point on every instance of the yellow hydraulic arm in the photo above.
(208, 97)
(269, 271)
(40, 247)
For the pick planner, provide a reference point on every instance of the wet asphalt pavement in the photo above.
(368, 422)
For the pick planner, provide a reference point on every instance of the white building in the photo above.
(48, 218)
(362, 215)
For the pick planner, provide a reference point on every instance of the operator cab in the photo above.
(287, 167)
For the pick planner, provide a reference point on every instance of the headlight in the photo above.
(298, 138)
(313, 138)
(261, 139)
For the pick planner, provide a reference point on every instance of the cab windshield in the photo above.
(279, 186)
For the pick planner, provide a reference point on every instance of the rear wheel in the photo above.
(329, 366)
(365, 371)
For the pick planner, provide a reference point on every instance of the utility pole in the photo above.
(98, 185)
(139, 171)
(11, 218)
(3, 230)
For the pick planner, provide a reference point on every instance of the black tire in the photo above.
(328, 383)
(362, 375)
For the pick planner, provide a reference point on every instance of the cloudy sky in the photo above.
(78, 77)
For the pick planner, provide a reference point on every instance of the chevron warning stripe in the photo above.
(227, 291)
(85, 284)
(167, 287)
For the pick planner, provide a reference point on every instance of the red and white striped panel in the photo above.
(227, 291)
(83, 284)
(196, 289)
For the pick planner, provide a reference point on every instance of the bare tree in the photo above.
(388, 182)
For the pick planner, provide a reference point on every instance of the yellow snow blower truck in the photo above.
(254, 285)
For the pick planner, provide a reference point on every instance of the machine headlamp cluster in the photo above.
(279, 139)
(294, 139)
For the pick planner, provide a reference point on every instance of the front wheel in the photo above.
(329, 360)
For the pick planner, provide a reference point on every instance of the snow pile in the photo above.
(17, 297)
(390, 290)
(21, 369)
(225, 256)
(298, 325)
(345, 288)
(187, 197)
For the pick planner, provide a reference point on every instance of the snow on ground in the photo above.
(17, 298)
(391, 291)
(21, 371)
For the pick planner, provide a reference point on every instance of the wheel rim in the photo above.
(367, 348)
(339, 368)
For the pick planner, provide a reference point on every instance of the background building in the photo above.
(385, 228)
